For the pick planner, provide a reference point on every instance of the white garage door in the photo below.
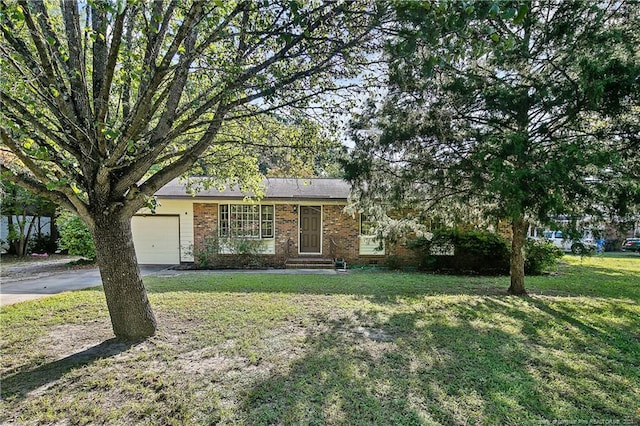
(157, 239)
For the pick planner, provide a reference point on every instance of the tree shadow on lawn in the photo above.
(589, 281)
(385, 287)
(363, 284)
(426, 367)
(19, 384)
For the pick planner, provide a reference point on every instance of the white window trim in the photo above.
(259, 237)
(366, 242)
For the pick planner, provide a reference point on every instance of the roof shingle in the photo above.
(276, 189)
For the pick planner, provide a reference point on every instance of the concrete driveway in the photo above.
(19, 289)
(34, 280)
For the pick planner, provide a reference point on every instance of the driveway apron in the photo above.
(14, 290)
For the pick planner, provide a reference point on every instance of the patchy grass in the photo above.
(29, 266)
(361, 348)
(11, 259)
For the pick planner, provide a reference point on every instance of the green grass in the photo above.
(362, 348)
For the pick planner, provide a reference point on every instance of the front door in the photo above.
(310, 228)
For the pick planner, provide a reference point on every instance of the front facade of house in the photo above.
(297, 218)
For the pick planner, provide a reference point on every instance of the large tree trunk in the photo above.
(519, 227)
(129, 307)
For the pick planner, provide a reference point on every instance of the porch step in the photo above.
(309, 263)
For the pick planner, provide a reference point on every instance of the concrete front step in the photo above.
(309, 263)
(308, 266)
(309, 260)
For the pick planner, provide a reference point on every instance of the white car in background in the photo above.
(584, 245)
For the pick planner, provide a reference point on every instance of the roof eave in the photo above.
(235, 197)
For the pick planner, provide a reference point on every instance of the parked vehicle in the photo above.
(631, 244)
(584, 245)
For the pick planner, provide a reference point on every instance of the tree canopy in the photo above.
(139, 88)
(516, 110)
(104, 102)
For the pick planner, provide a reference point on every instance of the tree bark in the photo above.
(519, 226)
(131, 315)
(11, 229)
(26, 236)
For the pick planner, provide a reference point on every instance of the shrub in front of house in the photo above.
(393, 262)
(205, 255)
(216, 252)
(540, 256)
(480, 252)
(244, 252)
(456, 251)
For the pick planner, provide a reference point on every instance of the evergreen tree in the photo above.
(517, 109)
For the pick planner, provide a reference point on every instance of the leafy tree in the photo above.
(23, 210)
(104, 102)
(329, 163)
(515, 110)
(305, 151)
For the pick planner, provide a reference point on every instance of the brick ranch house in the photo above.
(298, 221)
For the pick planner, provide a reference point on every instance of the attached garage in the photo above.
(157, 239)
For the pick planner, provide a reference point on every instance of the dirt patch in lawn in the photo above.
(170, 352)
(95, 339)
(67, 340)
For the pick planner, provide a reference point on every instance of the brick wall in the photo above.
(341, 229)
(337, 226)
(286, 232)
(205, 222)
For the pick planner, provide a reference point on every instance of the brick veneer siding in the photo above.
(286, 232)
(337, 227)
(343, 230)
(205, 222)
(407, 257)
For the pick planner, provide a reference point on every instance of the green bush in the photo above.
(42, 244)
(393, 262)
(206, 254)
(540, 256)
(478, 252)
(245, 252)
(75, 237)
(474, 252)
(219, 252)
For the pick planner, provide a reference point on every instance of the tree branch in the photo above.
(133, 125)
(101, 100)
(183, 164)
(63, 196)
(79, 94)
(12, 104)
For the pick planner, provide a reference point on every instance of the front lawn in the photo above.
(362, 348)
